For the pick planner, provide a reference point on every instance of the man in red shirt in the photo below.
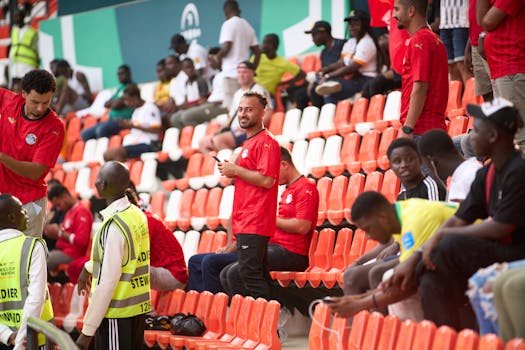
(73, 234)
(424, 74)
(296, 220)
(504, 44)
(31, 138)
(256, 175)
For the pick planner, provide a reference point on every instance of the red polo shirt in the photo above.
(426, 61)
(165, 250)
(78, 221)
(474, 29)
(300, 200)
(505, 45)
(254, 207)
(37, 141)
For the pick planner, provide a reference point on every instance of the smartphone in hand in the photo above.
(217, 159)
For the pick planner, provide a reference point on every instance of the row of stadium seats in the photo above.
(373, 331)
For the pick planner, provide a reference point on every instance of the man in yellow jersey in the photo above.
(119, 263)
(23, 275)
(410, 223)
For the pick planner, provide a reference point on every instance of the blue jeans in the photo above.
(104, 129)
(350, 88)
(204, 271)
(482, 298)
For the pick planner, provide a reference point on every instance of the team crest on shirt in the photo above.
(31, 139)
(244, 153)
(289, 198)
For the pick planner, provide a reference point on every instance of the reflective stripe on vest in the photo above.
(15, 282)
(131, 296)
(24, 50)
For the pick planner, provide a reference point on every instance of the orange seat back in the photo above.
(206, 242)
(340, 331)
(373, 182)
(467, 339)
(357, 334)
(356, 184)
(198, 208)
(444, 338)
(342, 113)
(342, 247)
(276, 123)
(318, 337)
(373, 331)
(406, 335)
(338, 193)
(390, 186)
(157, 201)
(350, 148)
(389, 333)
(424, 337)
(375, 108)
(359, 110)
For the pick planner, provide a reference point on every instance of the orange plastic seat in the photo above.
(490, 342)
(206, 242)
(515, 344)
(76, 152)
(276, 123)
(198, 207)
(373, 331)
(186, 134)
(336, 200)
(342, 113)
(342, 247)
(349, 153)
(308, 63)
(115, 141)
(391, 185)
(324, 185)
(70, 180)
(376, 108)
(322, 260)
(387, 136)
(184, 220)
(73, 130)
(467, 339)
(135, 172)
(356, 184)
(367, 151)
(212, 208)
(424, 336)
(220, 239)
(318, 337)
(357, 334)
(157, 201)
(340, 331)
(457, 125)
(389, 333)
(407, 332)
(169, 303)
(193, 169)
(358, 246)
(357, 115)
(373, 182)
(285, 277)
(444, 338)
(454, 97)
(89, 121)
(62, 304)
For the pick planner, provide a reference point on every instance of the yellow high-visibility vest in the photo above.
(131, 296)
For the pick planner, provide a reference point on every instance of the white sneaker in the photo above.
(328, 88)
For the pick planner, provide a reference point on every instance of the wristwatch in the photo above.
(407, 129)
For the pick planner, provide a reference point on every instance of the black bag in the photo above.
(190, 325)
(158, 323)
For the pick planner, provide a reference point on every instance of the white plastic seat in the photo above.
(147, 91)
(173, 207)
(290, 126)
(363, 128)
(332, 151)
(299, 155)
(199, 132)
(308, 123)
(392, 109)
(191, 244)
(148, 179)
(144, 199)
(314, 154)
(226, 206)
(102, 146)
(211, 181)
(180, 236)
(81, 185)
(170, 145)
(326, 117)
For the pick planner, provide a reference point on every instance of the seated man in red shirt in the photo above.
(73, 234)
(296, 221)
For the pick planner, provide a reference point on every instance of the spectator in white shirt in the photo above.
(145, 127)
(237, 38)
(193, 50)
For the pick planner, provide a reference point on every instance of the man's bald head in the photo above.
(13, 215)
(113, 180)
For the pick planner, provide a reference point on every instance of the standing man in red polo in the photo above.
(31, 136)
(424, 74)
(256, 175)
(504, 44)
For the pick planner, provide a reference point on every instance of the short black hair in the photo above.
(274, 39)
(57, 191)
(63, 64)
(188, 60)
(175, 57)
(262, 99)
(132, 90)
(436, 142)
(369, 202)
(232, 5)
(125, 67)
(419, 5)
(402, 142)
(161, 62)
(53, 182)
(286, 156)
(214, 50)
(39, 80)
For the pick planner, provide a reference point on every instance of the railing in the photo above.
(53, 335)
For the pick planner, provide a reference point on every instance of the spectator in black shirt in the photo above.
(459, 248)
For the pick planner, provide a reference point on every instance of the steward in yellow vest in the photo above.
(23, 275)
(119, 263)
(23, 47)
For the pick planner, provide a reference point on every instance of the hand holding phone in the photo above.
(217, 159)
(328, 300)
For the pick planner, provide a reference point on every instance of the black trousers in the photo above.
(457, 257)
(121, 333)
(252, 253)
(381, 85)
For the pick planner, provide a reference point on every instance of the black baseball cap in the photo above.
(246, 64)
(358, 14)
(319, 26)
(177, 40)
(500, 111)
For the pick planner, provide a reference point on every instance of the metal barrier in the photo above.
(53, 335)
